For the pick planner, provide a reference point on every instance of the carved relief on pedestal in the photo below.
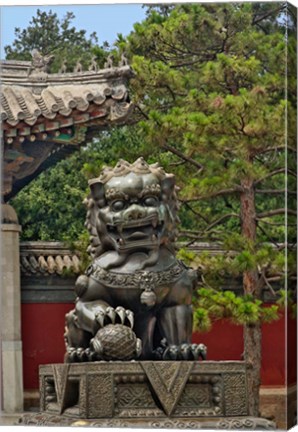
(144, 389)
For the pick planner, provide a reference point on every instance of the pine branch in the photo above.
(256, 19)
(142, 112)
(188, 235)
(269, 149)
(218, 221)
(214, 194)
(175, 164)
(171, 91)
(268, 236)
(195, 212)
(276, 278)
(280, 211)
(198, 234)
(267, 283)
(192, 63)
(183, 156)
(275, 172)
(275, 191)
(276, 223)
(206, 284)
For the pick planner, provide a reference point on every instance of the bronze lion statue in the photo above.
(134, 300)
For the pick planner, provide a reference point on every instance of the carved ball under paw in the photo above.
(116, 342)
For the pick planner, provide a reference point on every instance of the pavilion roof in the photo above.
(46, 114)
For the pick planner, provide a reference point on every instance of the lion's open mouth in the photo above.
(144, 231)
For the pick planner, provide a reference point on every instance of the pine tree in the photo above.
(210, 93)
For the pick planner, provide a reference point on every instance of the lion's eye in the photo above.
(151, 201)
(118, 205)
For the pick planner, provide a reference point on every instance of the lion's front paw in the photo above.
(74, 355)
(181, 352)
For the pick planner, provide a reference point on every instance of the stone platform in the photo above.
(161, 394)
(235, 423)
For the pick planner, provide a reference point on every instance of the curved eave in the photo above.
(45, 116)
(25, 114)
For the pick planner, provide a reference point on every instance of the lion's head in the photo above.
(131, 207)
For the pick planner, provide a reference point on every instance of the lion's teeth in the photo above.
(154, 223)
(120, 228)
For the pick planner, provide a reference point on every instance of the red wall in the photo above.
(43, 328)
(42, 335)
(225, 342)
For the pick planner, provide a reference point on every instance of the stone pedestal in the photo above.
(11, 344)
(174, 394)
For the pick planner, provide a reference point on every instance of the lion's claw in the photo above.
(114, 316)
(76, 354)
(181, 352)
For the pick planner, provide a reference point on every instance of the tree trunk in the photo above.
(252, 356)
(252, 332)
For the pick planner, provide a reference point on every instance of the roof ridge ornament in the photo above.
(123, 60)
(63, 67)
(93, 67)
(109, 63)
(40, 64)
(78, 67)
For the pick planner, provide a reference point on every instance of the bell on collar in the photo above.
(148, 298)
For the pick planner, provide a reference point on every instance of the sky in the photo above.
(106, 20)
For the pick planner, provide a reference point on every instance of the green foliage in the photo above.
(112, 145)
(287, 301)
(211, 305)
(204, 92)
(80, 245)
(187, 256)
(202, 321)
(50, 208)
(50, 35)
